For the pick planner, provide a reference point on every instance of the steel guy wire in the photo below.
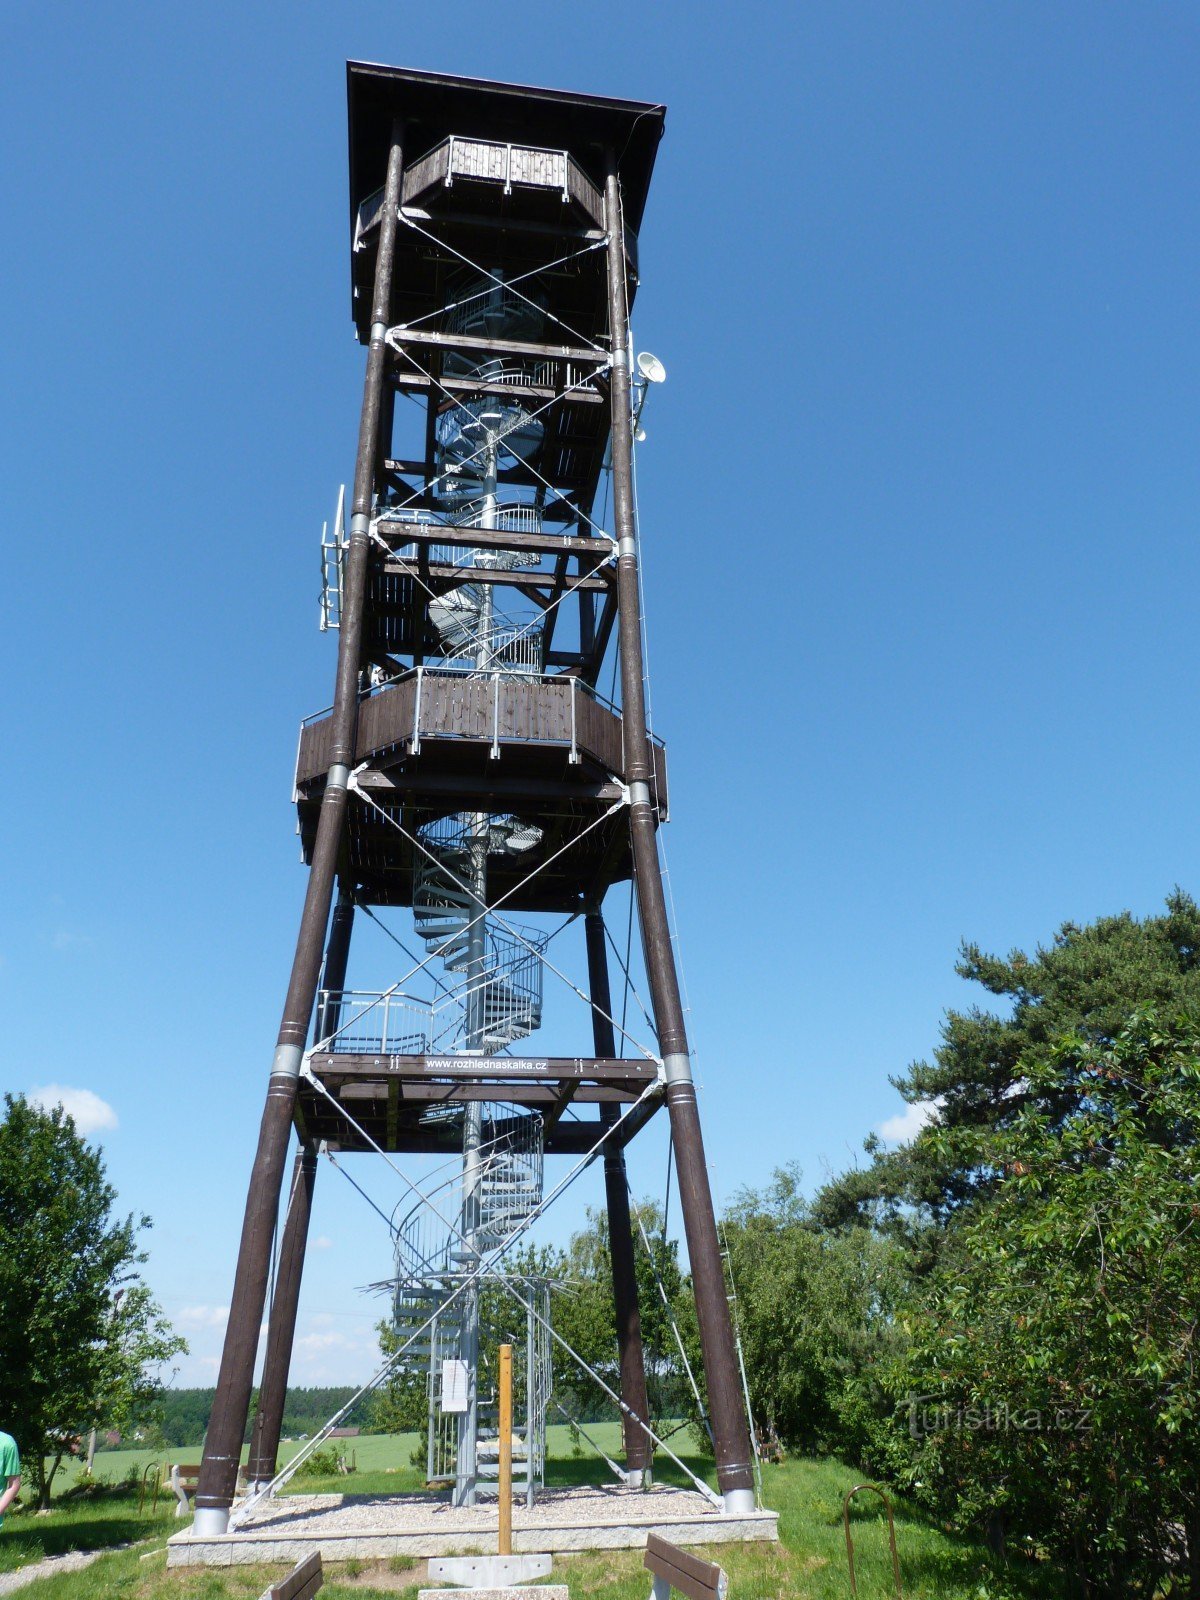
(441, 949)
(571, 388)
(630, 986)
(661, 1287)
(492, 910)
(596, 244)
(487, 1261)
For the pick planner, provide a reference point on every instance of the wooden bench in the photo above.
(673, 1568)
(183, 1481)
(301, 1583)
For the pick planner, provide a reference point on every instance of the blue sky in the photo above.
(919, 514)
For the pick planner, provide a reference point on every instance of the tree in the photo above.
(585, 1316)
(816, 1314)
(1053, 1359)
(84, 1338)
(400, 1404)
(1087, 981)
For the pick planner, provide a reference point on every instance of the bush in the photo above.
(321, 1464)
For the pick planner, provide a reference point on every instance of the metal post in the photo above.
(466, 1468)
(272, 1394)
(333, 974)
(731, 1436)
(223, 1443)
(620, 1231)
(533, 1397)
(505, 1465)
(468, 1423)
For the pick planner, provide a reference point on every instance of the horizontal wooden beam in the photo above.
(517, 1094)
(506, 224)
(560, 509)
(421, 781)
(516, 391)
(330, 1065)
(500, 347)
(439, 572)
(552, 544)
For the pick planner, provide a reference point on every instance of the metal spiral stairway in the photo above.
(476, 436)
(432, 1264)
(499, 1183)
(508, 977)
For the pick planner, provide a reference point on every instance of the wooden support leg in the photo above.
(272, 1394)
(226, 1426)
(620, 1232)
(731, 1433)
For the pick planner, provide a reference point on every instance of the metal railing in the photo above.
(579, 690)
(532, 165)
(383, 1022)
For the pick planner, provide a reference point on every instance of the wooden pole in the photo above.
(620, 1231)
(505, 1485)
(223, 1441)
(281, 1332)
(731, 1433)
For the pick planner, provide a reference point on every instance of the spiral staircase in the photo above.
(498, 1184)
(438, 1310)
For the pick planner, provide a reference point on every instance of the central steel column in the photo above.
(731, 1436)
(223, 1442)
(620, 1230)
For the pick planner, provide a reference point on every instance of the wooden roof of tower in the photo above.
(437, 105)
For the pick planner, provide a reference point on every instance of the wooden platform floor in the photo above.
(374, 1527)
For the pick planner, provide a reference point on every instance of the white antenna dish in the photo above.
(651, 368)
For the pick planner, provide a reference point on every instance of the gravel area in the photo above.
(73, 1561)
(300, 1514)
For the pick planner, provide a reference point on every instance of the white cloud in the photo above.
(203, 1316)
(318, 1343)
(322, 1242)
(91, 1114)
(909, 1122)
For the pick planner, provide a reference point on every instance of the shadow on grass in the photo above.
(935, 1559)
(27, 1537)
(573, 1472)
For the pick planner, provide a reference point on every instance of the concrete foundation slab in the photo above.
(546, 1591)
(373, 1528)
(490, 1572)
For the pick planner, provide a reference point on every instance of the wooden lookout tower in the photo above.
(471, 779)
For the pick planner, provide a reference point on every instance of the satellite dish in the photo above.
(651, 368)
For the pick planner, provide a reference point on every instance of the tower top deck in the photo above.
(436, 106)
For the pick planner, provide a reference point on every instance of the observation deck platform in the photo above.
(541, 747)
(400, 1102)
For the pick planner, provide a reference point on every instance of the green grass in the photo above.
(384, 1458)
(808, 1564)
(84, 1522)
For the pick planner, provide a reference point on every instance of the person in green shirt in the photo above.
(10, 1472)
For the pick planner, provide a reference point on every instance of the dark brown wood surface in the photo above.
(526, 711)
(396, 1115)
(330, 1065)
(697, 1579)
(302, 1582)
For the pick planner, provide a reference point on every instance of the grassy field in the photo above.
(808, 1564)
